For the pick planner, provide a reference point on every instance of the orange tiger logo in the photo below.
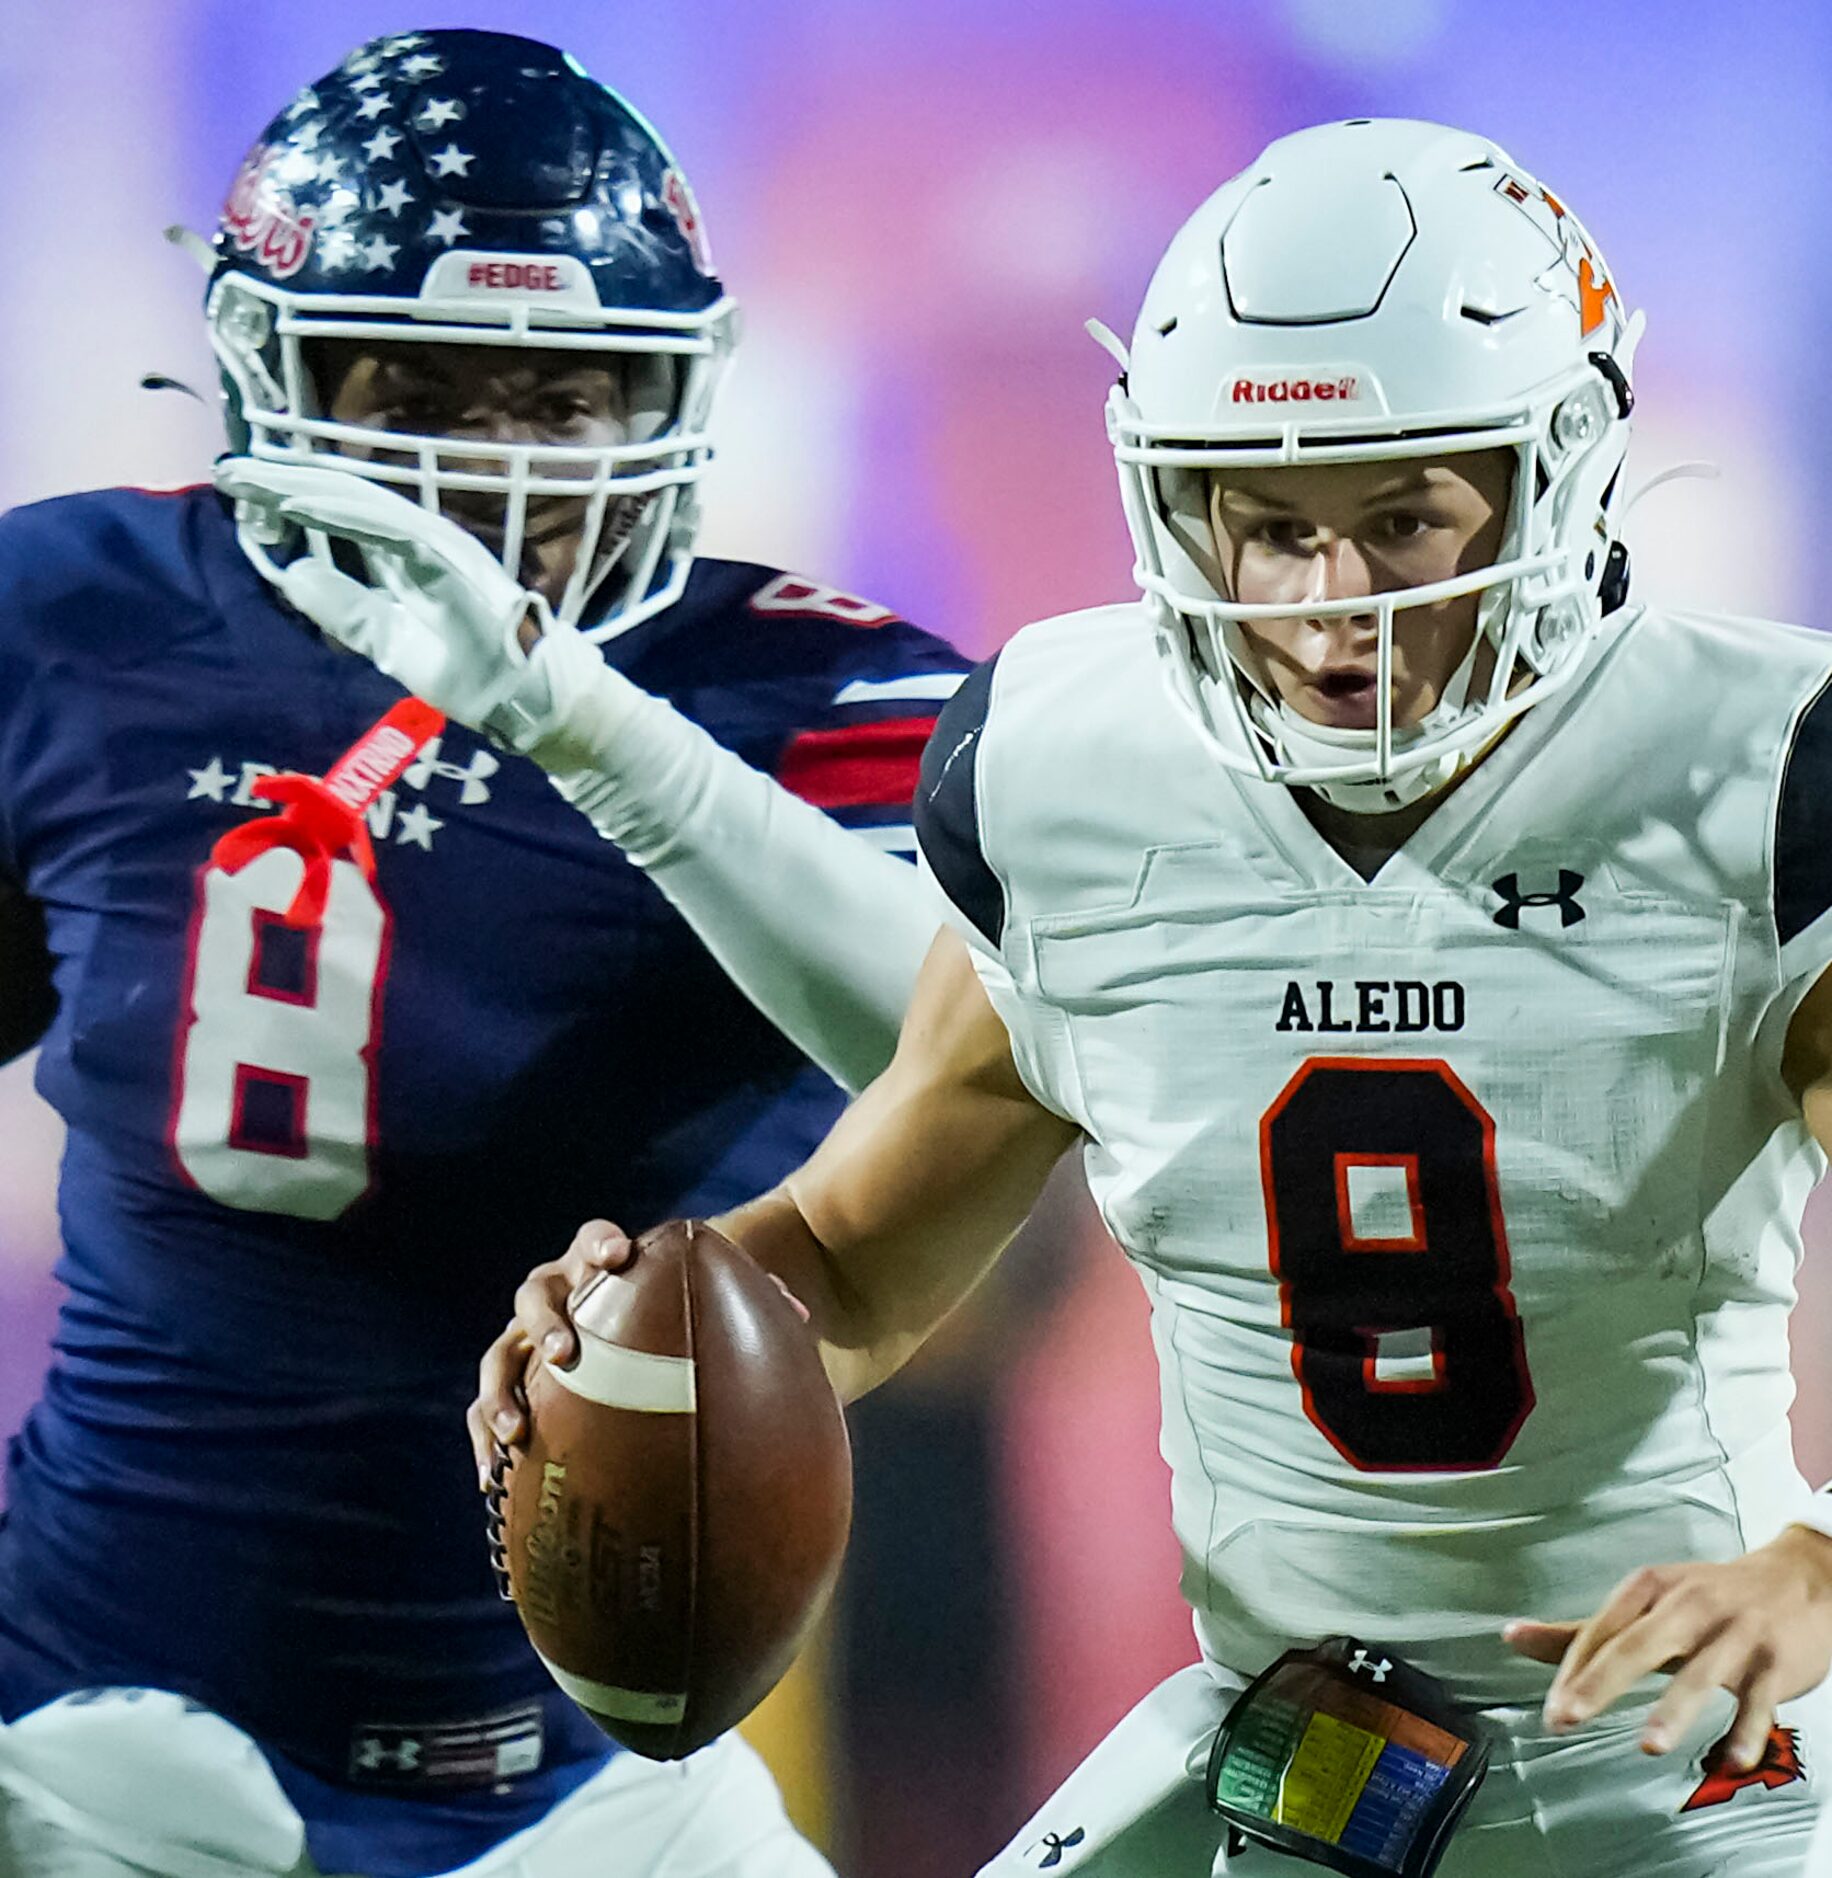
(1779, 1767)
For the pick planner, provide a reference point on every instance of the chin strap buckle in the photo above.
(1618, 382)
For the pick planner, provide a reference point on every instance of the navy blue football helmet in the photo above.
(466, 188)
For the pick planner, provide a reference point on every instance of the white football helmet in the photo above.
(1374, 290)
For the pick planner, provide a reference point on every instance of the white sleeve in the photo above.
(819, 929)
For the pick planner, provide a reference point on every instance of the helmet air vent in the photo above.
(1304, 249)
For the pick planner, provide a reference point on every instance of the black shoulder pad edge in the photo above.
(1803, 821)
(947, 806)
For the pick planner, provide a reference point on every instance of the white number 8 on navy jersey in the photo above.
(275, 1099)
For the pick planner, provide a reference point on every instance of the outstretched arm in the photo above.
(821, 931)
(897, 1216)
(919, 1187)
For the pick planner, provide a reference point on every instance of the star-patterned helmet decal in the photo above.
(375, 171)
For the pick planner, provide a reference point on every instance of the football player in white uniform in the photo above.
(1428, 945)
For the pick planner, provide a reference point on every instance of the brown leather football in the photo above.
(676, 1522)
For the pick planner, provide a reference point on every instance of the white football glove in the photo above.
(442, 617)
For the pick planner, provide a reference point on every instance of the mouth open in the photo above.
(1346, 699)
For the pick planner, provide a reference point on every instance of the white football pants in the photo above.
(149, 1787)
(1585, 1805)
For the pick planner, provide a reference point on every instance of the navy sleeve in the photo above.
(1803, 823)
(947, 807)
(831, 694)
(857, 750)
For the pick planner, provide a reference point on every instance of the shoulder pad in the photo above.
(947, 807)
(1803, 821)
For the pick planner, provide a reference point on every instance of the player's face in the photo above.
(1338, 531)
(501, 395)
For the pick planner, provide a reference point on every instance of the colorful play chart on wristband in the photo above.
(1321, 1755)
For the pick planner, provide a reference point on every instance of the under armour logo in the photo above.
(1566, 899)
(1360, 1664)
(373, 1753)
(1055, 1844)
(471, 777)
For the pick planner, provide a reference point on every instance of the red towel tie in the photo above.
(322, 818)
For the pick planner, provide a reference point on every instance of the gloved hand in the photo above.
(442, 617)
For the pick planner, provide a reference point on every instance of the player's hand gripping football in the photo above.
(498, 1418)
(438, 615)
(1759, 1626)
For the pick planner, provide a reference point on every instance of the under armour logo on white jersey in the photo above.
(372, 1753)
(1361, 1664)
(1566, 899)
(1053, 1845)
(472, 777)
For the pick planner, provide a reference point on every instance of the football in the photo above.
(675, 1524)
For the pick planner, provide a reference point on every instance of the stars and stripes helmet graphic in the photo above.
(467, 188)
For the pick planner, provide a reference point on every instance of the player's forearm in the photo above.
(921, 1184)
(857, 1355)
(823, 933)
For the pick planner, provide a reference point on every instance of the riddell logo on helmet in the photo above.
(1294, 390)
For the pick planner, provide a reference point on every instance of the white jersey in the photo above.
(1466, 1198)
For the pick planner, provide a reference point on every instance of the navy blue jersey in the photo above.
(306, 1171)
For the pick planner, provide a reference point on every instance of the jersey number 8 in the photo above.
(274, 1108)
(1387, 1240)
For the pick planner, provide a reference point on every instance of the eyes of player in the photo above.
(438, 411)
(409, 412)
(1296, 535)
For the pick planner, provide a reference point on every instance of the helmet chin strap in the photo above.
(1303, 744)
(1300, 745)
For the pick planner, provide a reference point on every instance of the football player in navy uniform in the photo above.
(349, 1010)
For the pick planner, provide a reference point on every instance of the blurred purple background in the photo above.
(919, 202)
